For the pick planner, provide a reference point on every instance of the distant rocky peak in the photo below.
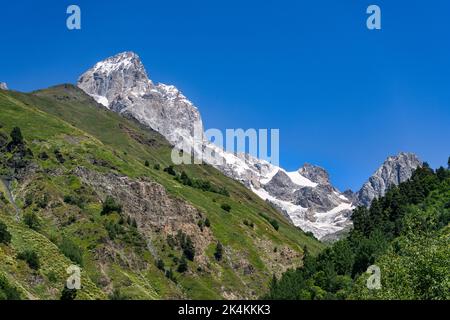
(121, 61)
(3, 86)
(122, 75)
(394, 170)
(315, 173)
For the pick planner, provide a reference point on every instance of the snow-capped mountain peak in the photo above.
(121, 84)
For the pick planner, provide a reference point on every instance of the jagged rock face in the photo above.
(3, 86)
(351, 196)
(121, 84)
(321, 198)
(156, 212)
(395, 170)
(315, 174)
(281, 186)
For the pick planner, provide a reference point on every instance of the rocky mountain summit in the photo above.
(121, 84)
(306, 196)
(3, 86)
(395, 170)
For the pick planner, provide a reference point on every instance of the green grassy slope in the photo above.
(63, 120)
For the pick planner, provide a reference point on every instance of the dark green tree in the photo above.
(218, 254)
(7, 291)
(68, 294)
(5, 236)
(183, 266)
(31, 258)
(226, 207)
(16, 136)
(170, 170)
(188, 248)
(160, 264)
(111, 205)
(32, 221)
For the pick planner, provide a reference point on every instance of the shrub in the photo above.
(114, 229)
(68, 294)
(5, 236)
(59, 156)
(32, 221)
(219, 252)
(310, 234)
(28, 200)
(118, 295)
(43, 201)
(52, 277)
(207, 223)
(7, 291)
(275, 224)
(71, 251)
(74, 200)
(160, 265)
(16, 136)
(157, 166)
(188, 249)
(249, 224)
(43, 156)
(171, 241)
(226, 207)
(184, 179)
(170, 170)
(183, 266)
(31, 258)
(111, 205)
(147, 164)
(3, 198)
(169, 275)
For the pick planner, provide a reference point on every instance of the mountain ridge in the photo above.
(310, 201)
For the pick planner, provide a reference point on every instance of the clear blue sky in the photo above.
(342, 96)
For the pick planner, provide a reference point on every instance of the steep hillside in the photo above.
(84, 185)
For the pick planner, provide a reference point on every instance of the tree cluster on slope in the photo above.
(406, 233)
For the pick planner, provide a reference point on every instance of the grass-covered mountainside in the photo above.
(82, 185)
(406, 234)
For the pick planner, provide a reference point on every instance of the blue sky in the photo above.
(342, 96)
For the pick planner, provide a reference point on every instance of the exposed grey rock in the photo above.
(322, 198)
(395, 170)
(3, 86)
(315, 174)
(351, 196)
(155, 211)
(121, 84)
(281, 186)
